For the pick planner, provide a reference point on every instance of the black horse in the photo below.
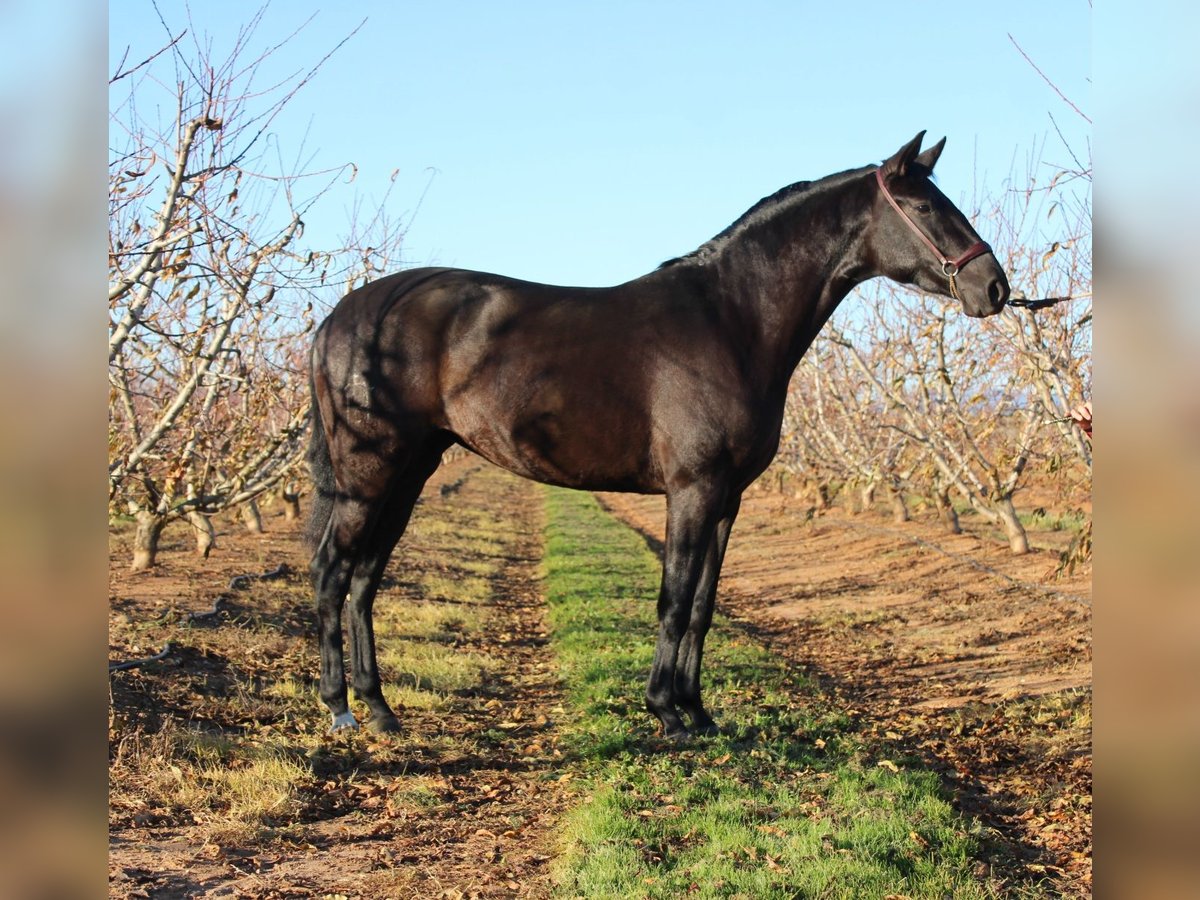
(672, 383)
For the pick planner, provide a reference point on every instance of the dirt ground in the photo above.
(462, 804)
(947, 647)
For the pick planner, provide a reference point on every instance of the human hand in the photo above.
(1082, 416)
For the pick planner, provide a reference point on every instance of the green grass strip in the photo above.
(789, 802)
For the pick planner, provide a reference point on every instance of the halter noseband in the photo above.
(950, 267)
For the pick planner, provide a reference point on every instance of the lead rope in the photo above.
(1040, 303)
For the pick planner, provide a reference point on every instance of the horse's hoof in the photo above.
(702, 724)
(384, 724)
(680, 737)
(343, 722)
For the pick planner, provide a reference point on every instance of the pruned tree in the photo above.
(842, 418)
(951, 403)
(1051, 348)
(211, 291)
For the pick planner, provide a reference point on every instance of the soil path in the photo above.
(945, 646)
(460, 805)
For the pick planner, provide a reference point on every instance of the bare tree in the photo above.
(843, 422)
(1047, 229)
(948, 402)
(211, 294)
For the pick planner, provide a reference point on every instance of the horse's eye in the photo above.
(923, 207)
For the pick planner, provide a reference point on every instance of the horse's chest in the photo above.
(753, 448)
(731, 431)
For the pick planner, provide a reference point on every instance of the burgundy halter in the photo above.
(950, 267)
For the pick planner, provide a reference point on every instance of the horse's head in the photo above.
(921, 238)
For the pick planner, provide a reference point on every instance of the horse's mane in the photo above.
(768, 207)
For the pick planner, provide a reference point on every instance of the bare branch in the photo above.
(1048, 81)
(123, 73)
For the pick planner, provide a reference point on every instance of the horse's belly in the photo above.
(580, 450)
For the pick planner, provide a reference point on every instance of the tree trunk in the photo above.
(899, 507)
(820, 494)
(946, 513)
(1017, 540)
(251, 518)
(866, 495)
(291, 502)
(145, 539)
(203, 528)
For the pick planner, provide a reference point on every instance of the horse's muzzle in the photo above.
(995, 296)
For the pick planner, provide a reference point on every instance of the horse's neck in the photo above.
(786, 299)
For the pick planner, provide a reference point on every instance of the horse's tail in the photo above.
(320, 466)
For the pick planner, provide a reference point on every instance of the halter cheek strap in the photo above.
(950, 267)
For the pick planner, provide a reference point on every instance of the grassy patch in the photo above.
(789, 802)
(456, 586)
(429, 667)
(235, 789)
(1042, 520)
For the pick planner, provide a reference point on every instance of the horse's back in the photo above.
(584, 387)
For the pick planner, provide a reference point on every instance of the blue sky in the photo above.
(584, 143)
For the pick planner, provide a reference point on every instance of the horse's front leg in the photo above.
(691, 648)
(692, 514)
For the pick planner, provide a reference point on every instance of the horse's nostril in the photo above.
(998, 292)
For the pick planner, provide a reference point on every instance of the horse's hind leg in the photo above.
(691, 648)
(332, 566)
(364, 584)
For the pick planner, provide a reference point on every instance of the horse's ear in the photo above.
(898, 163)
(928, 158)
